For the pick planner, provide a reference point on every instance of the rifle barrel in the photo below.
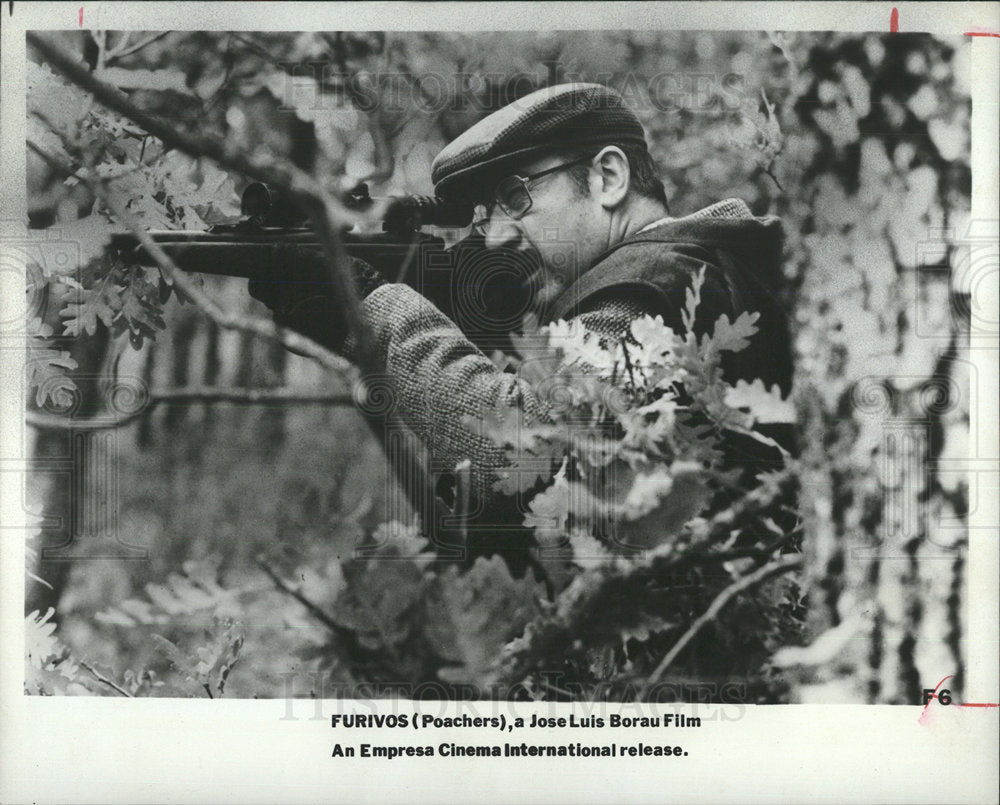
(484, 291)
(256, 254)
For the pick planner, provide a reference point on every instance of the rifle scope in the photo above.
(266, 206)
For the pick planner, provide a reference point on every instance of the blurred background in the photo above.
(859, 142)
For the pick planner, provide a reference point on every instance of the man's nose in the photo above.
(501, 231)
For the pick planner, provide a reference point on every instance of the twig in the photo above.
(314, 609)
(101, 40)
(265, 55)
(116, 53)
(628, 365)
(463, 480)
(782, 565)
(224, 675)
(102, 678)
(756, 498)
(774, 178)
(560, 691)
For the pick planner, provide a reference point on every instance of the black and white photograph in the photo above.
(632, 368)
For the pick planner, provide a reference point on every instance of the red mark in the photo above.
(923, 713)
(981, 33)
(894, 21)
(937, 687)
(81, 16)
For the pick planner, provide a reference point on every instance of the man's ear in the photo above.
(615, 175)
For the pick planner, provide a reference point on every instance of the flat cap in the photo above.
(561, 116)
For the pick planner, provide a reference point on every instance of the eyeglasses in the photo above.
(511, 194)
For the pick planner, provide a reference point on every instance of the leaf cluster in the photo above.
(621, 482)
(75, 285)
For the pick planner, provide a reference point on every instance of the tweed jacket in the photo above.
(442, 381)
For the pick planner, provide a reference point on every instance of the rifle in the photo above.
(482, 291)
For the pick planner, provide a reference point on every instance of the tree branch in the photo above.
(327, 214)
(55, 422)
(762, 574)
(191, 144)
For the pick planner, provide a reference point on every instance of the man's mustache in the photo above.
(507, 278)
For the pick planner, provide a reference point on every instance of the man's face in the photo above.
(565, 228)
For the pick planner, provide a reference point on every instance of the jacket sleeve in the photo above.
(442, 382)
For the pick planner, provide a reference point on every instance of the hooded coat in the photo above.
(741, 255)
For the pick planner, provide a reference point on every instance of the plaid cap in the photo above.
(561, 116)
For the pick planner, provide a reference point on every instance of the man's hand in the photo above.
(303, 297)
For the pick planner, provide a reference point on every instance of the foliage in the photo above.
(46, 370)
(48, 666)
(619, 527)
(635, 423)
(211, 664)
(72, 277)
(860, 142)
(624, 524)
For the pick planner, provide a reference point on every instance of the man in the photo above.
(562, 174)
